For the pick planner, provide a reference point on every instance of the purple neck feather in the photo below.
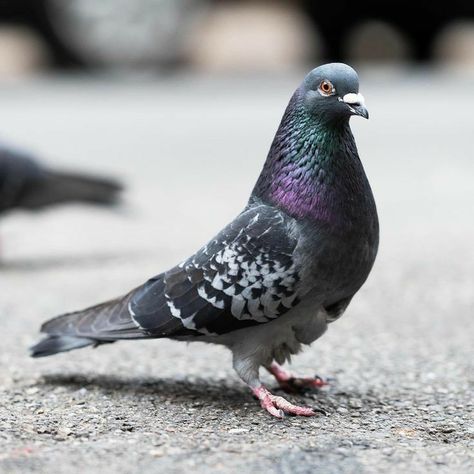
(312, 170)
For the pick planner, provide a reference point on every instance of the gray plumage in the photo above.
(287, 266)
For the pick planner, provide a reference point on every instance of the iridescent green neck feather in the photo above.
(313, 170)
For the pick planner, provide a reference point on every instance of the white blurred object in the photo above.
(125, 33)
(456, 44)
(21, 52)
(257, 36)
(377, 41)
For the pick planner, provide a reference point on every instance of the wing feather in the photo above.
(246, 275)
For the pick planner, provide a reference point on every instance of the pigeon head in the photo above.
(313, 158)
(331, 92)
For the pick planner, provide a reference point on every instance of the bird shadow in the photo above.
(220, 393)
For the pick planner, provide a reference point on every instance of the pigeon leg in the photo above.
(247, 368)
(292, 384)
(278, 406)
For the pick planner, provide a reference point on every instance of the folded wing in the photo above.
(245, 276)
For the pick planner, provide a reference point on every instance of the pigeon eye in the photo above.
(326, 88)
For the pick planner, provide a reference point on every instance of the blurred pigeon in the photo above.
(26, 184)
(289, 264)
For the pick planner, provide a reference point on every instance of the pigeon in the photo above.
(285, 268)
(26, 184)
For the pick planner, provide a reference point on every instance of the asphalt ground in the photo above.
(190, 149)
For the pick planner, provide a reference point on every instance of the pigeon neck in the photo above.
(312, 167)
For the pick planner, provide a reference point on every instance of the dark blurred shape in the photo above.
(376, 41)
(420, 21)
(34, 13)
(159, 33)
(26, 184)
(124, 33)
(108, 32)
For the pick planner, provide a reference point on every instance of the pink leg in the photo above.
(278, 406)
(291, 384)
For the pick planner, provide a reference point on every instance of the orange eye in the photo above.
(326, 88)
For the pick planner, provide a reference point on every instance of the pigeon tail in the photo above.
(57, 187)
(100, 324)
(51, 345)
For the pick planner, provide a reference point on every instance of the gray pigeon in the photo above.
(26, 184)
(276, 276)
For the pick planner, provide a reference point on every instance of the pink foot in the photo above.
(278, 406)
(291, 384)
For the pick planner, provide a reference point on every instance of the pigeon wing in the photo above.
(245, 276)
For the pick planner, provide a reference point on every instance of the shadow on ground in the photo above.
(221, 394)
(183, 391)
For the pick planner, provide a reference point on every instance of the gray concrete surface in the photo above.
(190, 149)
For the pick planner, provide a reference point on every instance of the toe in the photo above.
(267, 404)
(278, 406)
(291, 409)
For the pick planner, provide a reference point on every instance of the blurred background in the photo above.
(228, 35)
(155, 90)
(180, 100)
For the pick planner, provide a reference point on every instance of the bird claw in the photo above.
(279, 406)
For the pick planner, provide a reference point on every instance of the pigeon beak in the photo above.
(356, 104)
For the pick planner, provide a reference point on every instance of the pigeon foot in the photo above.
(279, 406)
(292, 384)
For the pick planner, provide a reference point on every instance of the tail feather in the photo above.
(100, 324)
(53, 344)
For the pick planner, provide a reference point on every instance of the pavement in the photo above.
(190, 148)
